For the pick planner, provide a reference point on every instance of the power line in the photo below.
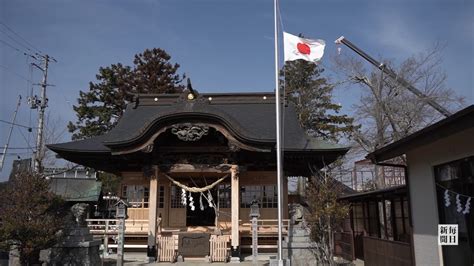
(13, 153)
(23, 39)
(27, 143)
(14, 73)
(20, 148)
(17, 49)
(11, 46)
(15, 124)
(16, 41)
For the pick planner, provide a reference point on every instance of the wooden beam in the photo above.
(196, 168)
(152, 217)
(224, 131)
(235, 191)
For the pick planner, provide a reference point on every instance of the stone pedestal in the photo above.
(298, 248)
(275, 262)
(234, 260)
(77, 247)
(14, 257)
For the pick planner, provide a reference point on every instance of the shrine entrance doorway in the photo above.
(199, 214)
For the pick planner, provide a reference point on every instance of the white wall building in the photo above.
(440, 161)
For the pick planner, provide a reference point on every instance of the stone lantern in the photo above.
(254, 215)
(254, 210)
(121, 211)
(121, 215)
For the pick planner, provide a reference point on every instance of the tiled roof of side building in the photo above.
(76, 189)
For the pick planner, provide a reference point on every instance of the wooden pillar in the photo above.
(152, 210)
(235, 207)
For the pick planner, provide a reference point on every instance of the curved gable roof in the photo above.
(249, 117)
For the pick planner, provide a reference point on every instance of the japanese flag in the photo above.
(300, 48)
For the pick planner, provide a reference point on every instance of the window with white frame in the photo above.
(265, 195)
(224, 195)
(136, 195)
(175, 197)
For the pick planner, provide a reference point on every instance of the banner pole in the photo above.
(278, 137)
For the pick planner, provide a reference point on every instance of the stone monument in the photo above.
(298, 248)
(76, 247)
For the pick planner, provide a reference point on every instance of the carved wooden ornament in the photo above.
(189, 132)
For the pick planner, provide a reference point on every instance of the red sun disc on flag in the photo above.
(303, 48)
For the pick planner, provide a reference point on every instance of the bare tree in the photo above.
(387, 111)
(54, 133)
(326, 212)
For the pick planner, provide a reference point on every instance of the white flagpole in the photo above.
(278, 137)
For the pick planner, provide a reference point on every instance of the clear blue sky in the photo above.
(222, 46)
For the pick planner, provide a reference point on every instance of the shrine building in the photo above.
(193, 164)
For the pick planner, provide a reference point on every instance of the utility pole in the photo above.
(5, 149)
(41, 104)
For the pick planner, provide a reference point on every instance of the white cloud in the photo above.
(393, 31)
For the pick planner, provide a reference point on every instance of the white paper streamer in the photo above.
(468, 206)
(458, 203)
(183, 197)
(459, 208)
(209, 198)
(191, 202)
(201, 206)
(447, 200)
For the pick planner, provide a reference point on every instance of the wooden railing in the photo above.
(138, 204)
(265, 226)
(219, 248)
(167, 247)
(110, 226)
(344, 245)
(267, 232)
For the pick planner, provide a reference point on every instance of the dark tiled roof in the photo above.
(76, 189)
(91, 145)
(249, 117)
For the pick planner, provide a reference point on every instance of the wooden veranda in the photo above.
(378, 230)
(136, 234)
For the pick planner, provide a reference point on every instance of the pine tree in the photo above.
(312, 96)
(319, 116)
(99, 109)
